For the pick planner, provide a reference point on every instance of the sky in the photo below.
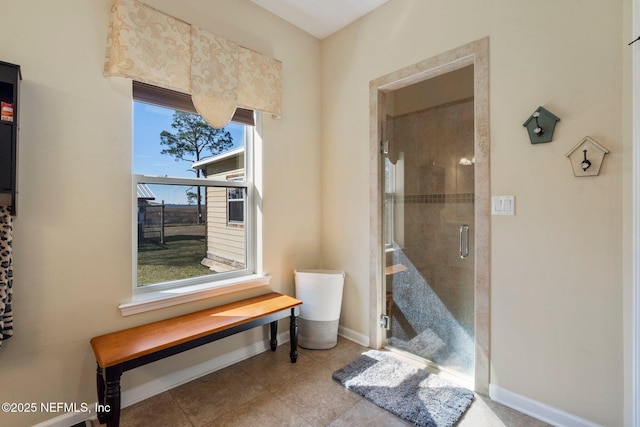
(148, 122)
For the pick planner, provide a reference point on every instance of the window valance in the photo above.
(150, 46)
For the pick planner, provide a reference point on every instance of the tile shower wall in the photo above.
(433, 299)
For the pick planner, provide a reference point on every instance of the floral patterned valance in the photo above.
(147, 45)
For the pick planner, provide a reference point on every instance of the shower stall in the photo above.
(429, 221)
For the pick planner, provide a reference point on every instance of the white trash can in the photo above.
(321, 294)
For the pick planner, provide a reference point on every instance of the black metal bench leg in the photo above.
(274, 335)
(293, 336)
(112, 400)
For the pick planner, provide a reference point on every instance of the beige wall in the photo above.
(72, 242)
(557, 268)
(557, 271)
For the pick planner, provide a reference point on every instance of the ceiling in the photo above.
(320, 18)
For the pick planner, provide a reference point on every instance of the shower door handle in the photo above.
(464, 241)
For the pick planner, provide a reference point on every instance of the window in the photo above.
(193, 193)
(235, 204)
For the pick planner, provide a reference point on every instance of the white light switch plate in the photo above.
(503, 205)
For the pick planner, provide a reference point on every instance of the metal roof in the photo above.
(144, 192)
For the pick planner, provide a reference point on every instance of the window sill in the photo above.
(169, 297)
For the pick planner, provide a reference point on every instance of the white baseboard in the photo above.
(174, 379)
(68, 419)
(354, 336)
(539, 410)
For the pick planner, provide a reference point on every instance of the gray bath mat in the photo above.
(412, 394)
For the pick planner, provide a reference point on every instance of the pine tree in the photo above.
(194, 140)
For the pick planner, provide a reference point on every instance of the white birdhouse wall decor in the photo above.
(586, 157)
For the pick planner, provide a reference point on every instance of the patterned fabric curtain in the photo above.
(149, 46)
(6, 274)
(214, 76)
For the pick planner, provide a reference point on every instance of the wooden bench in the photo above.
(127, 349)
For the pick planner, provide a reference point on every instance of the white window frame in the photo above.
(165, 294)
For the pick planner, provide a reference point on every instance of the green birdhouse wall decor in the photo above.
(540, 126)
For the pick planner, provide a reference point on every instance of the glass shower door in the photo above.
(428, 229)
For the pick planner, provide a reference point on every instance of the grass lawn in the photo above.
(178, 258)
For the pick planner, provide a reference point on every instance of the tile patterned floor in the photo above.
(267, 390)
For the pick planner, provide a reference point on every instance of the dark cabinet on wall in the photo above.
(9, 104)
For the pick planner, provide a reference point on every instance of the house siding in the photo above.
(225, 241)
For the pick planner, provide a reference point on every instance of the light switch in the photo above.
(502, 205)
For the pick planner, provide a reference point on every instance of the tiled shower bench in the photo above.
(130, 348)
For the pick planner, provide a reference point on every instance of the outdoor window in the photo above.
(193, 187)
(235, 204)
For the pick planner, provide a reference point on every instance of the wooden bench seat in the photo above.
(127, 349)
